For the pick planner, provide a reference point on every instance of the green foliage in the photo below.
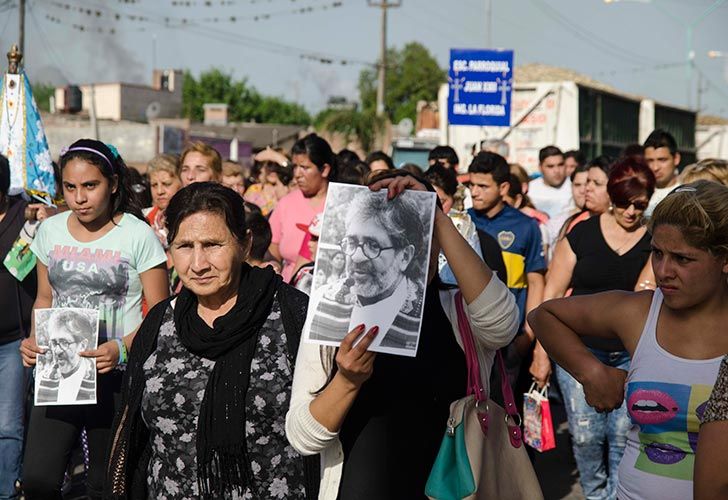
(42, 93)
(412, 75)
(244, 102)
(276, 110)
(354, 124)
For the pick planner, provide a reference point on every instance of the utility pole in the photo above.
(384, 5)
(92, 112)
(702, 88)
(154, 52)
(690, 66)
(21, 27)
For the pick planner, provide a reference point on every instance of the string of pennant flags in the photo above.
(183, 21)
(85, 27)
(190, 25)
(207, 3)
(97, 13)
(211, 3)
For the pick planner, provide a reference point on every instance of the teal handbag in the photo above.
(482, 454)
(452, 477)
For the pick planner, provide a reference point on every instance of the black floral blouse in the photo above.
(717, 408)
(175, 385)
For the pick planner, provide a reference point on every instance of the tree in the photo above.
(276, 110)
(42, 93)
(412, 75)
(355, 124)
(244, 102)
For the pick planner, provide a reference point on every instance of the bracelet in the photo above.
(123, 355)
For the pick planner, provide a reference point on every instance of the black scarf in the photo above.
(222, 459)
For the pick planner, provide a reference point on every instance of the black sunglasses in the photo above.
(638, 204)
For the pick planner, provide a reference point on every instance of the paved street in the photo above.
(556, 469)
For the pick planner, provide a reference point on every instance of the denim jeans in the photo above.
(12, 390)
(591, 432)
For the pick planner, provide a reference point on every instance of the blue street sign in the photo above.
(480, 87)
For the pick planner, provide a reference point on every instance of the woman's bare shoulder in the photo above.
(629, 313)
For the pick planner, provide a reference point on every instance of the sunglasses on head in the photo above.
(638, 204)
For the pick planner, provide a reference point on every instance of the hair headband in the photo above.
(64, 151)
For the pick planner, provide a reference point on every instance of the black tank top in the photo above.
(599, 268)
(393, 431)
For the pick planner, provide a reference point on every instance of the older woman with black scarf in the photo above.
(210, 371)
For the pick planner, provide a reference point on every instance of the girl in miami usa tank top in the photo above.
(665, 396)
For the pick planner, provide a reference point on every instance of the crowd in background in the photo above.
(577, 227)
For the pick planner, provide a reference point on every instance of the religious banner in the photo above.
(22, 138)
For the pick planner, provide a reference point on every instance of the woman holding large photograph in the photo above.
(101, 254)
(377, 421)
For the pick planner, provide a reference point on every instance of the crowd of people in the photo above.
(605, 278)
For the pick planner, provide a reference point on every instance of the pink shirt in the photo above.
(292, 209)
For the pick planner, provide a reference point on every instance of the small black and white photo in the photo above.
(62, 375)
(371, 267)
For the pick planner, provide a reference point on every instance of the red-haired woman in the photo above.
(606, 252)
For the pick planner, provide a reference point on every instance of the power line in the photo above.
(206, 3)
(276, 48)
(642, 69)
(98, 12)
(5, 25)
(269, 15)
(433, 29)
(217, 34)
(48, 47)
(85, 27)
(211, 3)
(711, 84)
(588, 37)
(6, 6)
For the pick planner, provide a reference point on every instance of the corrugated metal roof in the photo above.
(258, 134)
(712, 120)
(536, 72)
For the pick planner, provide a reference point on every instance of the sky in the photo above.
(637, 46)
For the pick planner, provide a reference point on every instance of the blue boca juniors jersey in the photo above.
(520, 241)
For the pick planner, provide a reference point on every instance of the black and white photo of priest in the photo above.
(63, 376)
(386, 244)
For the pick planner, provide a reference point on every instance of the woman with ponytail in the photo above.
(100, 254)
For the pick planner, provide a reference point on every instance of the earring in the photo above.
(611, 207)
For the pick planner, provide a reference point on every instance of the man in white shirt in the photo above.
(663, 158)
(551, 193)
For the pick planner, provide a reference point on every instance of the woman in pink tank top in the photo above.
(675, 336)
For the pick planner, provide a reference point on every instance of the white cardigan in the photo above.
(494, 321)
